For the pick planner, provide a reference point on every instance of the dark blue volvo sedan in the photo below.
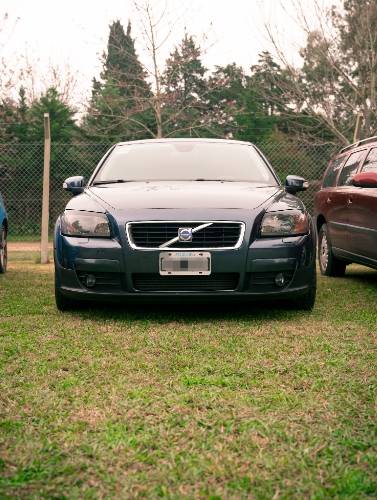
(184, 220)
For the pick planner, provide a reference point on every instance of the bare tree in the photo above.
(57, 72)
(154, 101)
(338, 76)
(9, 73)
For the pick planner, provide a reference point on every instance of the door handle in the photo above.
(329, 199)
(349, 201)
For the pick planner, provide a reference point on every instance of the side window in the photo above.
(349, 169)
(370, 164)
(332, 172)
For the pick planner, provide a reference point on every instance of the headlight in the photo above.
(75, 223)
(289, 223)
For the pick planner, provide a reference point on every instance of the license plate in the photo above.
(181, 263)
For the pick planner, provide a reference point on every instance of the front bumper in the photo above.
(116, 264)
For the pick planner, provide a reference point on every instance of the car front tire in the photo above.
(304, 302)
(63, 303)
(3, 250)
(329, 265)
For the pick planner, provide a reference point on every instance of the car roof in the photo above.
(224, 141)
(359, 144)
(352, 148)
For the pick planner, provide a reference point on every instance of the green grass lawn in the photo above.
(26, 238)
(213, 402)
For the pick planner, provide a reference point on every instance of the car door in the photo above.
(337, 202)
(324, 203)
(362, 214)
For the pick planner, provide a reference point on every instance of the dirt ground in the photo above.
(26, 246)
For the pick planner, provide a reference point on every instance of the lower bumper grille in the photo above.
(265, 281)
(212, 283)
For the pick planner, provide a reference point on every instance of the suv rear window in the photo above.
(370, 164)
(332, 172)
(349, 169)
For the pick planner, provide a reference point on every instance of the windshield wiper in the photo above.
(214, 180)
(95, 183)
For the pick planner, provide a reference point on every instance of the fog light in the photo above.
(280, 279)
(90, 280)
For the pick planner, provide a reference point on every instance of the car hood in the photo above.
(185, 195)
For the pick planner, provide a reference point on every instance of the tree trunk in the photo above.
(158, 120)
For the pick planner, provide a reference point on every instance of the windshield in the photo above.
(184, 161)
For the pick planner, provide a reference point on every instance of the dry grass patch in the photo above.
(247, 401)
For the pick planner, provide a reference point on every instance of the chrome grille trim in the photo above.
(174, 240)
(185, 222)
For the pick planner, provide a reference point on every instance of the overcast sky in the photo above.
(75, 27)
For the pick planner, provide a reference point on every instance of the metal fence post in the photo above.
(46, 190)
(357, 133)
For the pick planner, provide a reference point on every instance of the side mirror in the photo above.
(74, 185)
(294, 183)
(365, 180)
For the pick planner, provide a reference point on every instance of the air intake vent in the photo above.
(154, 234)
(215, 282)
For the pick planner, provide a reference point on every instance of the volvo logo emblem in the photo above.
(185, 234)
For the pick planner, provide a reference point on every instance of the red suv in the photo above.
(345, 209)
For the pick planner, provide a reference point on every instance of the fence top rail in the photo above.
(104, 143)
(66, 144)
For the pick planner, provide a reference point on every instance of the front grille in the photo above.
(104, 281)
(152, 235)
(211, 283)
(265, 281)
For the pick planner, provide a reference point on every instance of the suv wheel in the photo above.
(328, 263)
(3, 250)
(63, 303)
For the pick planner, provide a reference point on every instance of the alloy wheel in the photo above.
(3, 249)
(324, 252)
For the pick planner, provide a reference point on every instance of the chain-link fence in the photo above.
(21, 185)
(21, 179)
(308, 161)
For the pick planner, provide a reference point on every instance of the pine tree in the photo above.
(21, 126)
(261, 119)
(185, 84)
(227, 99)
(237, 111)
(7, 120)
(125, 107)
(255, 123)
(184, 75)
(121, 62)
(62, 124)
(123, 84)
